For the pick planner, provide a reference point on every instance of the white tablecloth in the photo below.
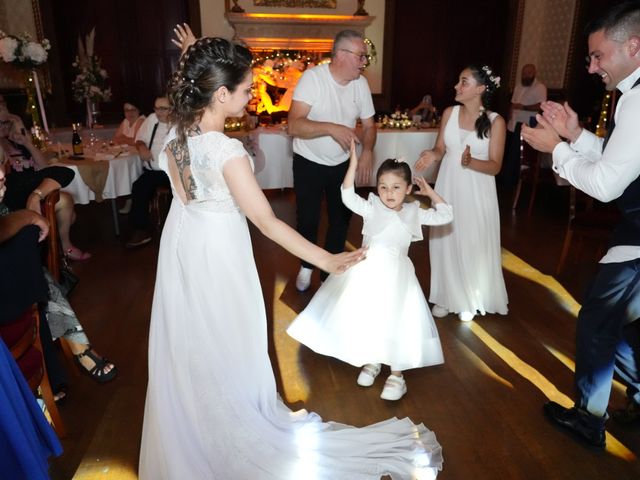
(405, 144)
(123, 171)
(272, 151)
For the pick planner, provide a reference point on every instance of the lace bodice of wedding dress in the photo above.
(208, 153)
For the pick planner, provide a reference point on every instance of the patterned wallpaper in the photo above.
(546, 37)
(21, 21)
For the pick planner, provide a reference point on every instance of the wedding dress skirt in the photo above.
(375, 312)
(212, 410)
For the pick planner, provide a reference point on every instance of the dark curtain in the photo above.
(133, 41)
(434, 40)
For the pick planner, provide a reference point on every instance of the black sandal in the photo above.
(98, 371)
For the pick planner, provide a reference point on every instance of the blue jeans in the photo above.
(608, 336)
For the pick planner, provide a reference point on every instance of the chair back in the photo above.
(22, 338)
(53, 241)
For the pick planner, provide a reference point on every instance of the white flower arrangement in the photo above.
(22, 51)
(91, 80)
(397, 119)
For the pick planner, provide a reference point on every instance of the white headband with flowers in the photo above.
(494, 79)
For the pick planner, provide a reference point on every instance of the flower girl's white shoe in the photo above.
(438, 311)
(368, 374)
(394, 388)
(303, 280)
(466, 316)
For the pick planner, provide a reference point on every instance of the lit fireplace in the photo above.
(284, 45)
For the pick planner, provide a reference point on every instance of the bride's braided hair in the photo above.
(484, 76)
(207, 65)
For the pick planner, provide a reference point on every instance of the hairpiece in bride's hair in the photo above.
(401, 159)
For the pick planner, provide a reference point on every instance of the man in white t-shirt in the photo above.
(149, 142)
(525, 103)
(327, 102)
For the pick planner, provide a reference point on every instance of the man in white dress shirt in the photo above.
(607, 331)
(149, 142)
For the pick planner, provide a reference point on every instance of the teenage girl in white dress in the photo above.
(466, 260)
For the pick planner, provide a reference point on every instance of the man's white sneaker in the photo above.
(466, 316)
(394, 388)
(303, 280)
(368, 374)
(439, 311)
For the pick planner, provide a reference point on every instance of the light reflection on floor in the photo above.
(297, 388)
(103, 468)
(519, 267)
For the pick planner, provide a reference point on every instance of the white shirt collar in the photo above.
(626, 84)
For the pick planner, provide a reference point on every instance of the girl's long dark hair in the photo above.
(484, 76)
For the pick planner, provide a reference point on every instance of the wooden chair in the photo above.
(529, 173)
(54, 251)
(54, 260)
(22, 337)
(588, 220)
(160, 205)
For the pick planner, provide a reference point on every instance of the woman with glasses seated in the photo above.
(30, 179)
(128, 129)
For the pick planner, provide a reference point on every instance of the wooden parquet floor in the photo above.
(484, 403)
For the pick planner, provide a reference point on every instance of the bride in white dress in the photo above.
(212, 409)
(466, 261)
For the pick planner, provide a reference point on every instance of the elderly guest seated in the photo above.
(30, 179)
(149, 142)
(128, 129)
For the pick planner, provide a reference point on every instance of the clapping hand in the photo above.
(426, 159)
(184, 37)
(562, 118)
(543, 138)
(465, 160)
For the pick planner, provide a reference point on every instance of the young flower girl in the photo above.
(376, 312)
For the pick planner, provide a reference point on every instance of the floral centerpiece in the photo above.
(25, 54)
(90, 85)
(397, 119)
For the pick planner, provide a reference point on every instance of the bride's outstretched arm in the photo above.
(248, 194)
(184, 37)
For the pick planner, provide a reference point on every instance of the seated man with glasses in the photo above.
(149, 142)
